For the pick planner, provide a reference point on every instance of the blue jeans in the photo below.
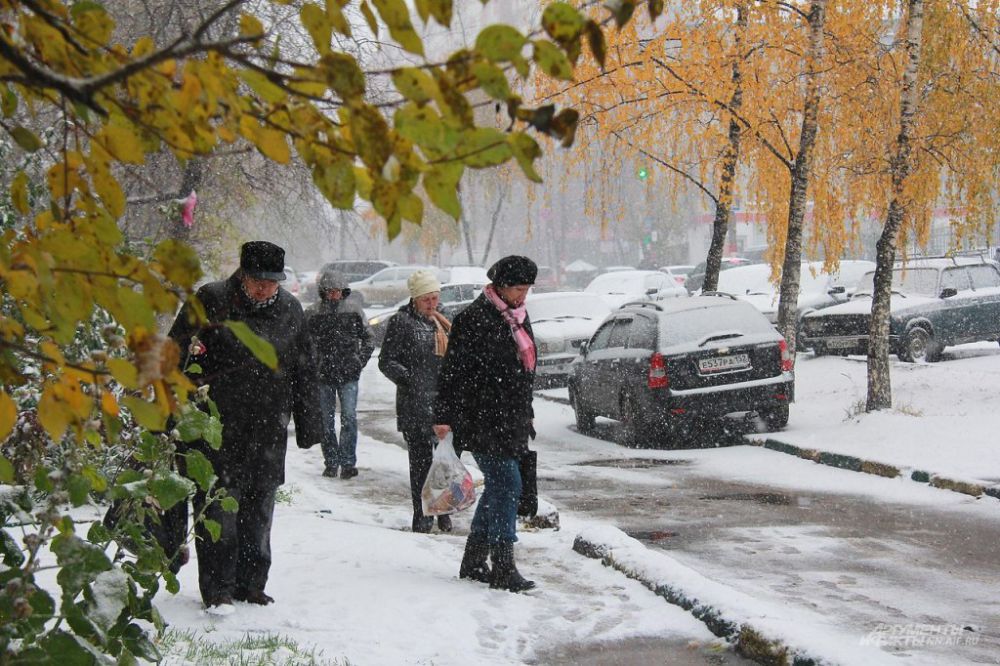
(340, 452)
(496, 515)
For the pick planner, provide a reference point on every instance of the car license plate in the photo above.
(841, 343)
(723, 363)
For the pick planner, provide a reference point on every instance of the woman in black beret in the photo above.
(484, 397)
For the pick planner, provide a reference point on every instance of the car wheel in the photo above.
(919, 346)
(636, 431)
(584, 417)
(775, 418)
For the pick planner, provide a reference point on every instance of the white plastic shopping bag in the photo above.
(448, 487)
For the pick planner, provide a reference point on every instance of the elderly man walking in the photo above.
(344, 343)
(255, 405)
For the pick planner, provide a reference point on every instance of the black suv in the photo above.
(936, 302)
(656, 365)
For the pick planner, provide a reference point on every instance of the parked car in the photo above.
(623, 286)
(291, 283)
(935, 303)
(388, 285)
(654, 366)
(562, 321)
(475, 274)
(696, 278)
(546, 280)
(454, 297)
(679, 271)
(817, 289)
(353, 271)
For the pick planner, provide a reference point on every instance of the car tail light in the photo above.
(787, 362)
(658, 377)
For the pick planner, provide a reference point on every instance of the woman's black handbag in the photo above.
(527, 504)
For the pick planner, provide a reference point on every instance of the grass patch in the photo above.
(285, 495)
(270, 649)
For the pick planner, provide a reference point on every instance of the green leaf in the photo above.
(397, 17)
(169, 488)
(500, 43)
(80, 562)
(78, 487)
(213, 528)
(315, 20)
(337, 182)
(6, 471)
(483, 147)
(229, 504)
(621, 10)
(200, 469)
(258, 81)
(441, 185)
(424, 127)
(343, 75)
(65, 649)
(26, 139)
(411, 208)
(492, 80)
(262, 350)
(562, 22)
(370, 132)
(526, 150)
(8, 102)
(415, 84)
(178, 262)
(12, 555)
(147, 414)
(552, 60)
(191, 424)
(369, 15)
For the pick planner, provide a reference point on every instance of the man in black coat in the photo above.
(344, 343)
(415, 342)
(255, 405)
(484, 397)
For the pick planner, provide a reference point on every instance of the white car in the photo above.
(679, 271)
(817, 290)
(622, 287)
(561, 322)
(388, 285)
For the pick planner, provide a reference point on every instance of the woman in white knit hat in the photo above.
(415, 342)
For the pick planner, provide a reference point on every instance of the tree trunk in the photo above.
(879, 384)
(501, 195)
(466, 233)
(723, 206)
(801, 172)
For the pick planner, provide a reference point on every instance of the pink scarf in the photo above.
(515, 318)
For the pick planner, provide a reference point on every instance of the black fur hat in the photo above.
(263, 260)
(512, 270)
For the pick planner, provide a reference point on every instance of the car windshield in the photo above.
(610, 283)
(568, 307)
(695, 325)
(906, 280)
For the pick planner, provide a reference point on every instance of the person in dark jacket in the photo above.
(484, 397)
(255, 405)
(415, 342)
(344, 343)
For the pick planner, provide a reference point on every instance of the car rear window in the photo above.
(693, 325)
(984, 277)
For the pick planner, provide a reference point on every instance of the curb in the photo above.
(854, 464)
(751, 642)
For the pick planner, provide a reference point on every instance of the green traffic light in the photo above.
(643, 173)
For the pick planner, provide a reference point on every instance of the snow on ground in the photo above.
(351, 580)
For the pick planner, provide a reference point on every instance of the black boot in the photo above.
(505, 575)
(474, 564)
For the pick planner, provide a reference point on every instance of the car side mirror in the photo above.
(948, 292)
(583, 347)
(651, 292)
(838, 290)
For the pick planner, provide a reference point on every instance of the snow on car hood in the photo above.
(863, 305)
(566, 329)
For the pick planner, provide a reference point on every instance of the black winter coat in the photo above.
(408, 360)
(255, 403)
(484, 391)
(343, 340)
